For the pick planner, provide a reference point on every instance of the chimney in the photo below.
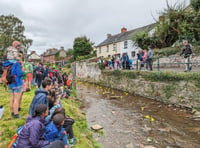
(109, 35)
(123, 30)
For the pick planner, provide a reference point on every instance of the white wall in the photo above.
(129, 49)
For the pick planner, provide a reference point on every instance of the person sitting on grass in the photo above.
(55, 131)
(32, 134)
(68, 122)
(41, 95)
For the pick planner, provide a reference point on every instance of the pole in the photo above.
(158, 64)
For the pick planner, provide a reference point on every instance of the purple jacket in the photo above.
(31, 136)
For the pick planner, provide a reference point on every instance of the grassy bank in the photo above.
(8, 125)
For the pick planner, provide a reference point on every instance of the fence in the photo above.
(174, 62)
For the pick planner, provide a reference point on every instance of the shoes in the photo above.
(72, 141)
(12, 114)
(16, 116)
(28, 89)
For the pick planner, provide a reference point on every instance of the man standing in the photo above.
(149, 58)
(187, 51)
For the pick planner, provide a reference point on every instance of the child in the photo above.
(55, 131)
(12, 52)
(68, 122)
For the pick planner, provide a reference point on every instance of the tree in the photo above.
(195, 5)
(82, 46)
(176, 22)
(69, 52)
(11, 28)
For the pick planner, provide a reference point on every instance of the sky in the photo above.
(56, 23)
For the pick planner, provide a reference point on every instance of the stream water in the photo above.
(133, 121)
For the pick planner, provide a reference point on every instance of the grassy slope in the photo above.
(8, 125)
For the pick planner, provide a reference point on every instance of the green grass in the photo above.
(8, 125)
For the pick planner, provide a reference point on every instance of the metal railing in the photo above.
(158, 64)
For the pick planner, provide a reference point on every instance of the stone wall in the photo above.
(84, 69)
(182, 93)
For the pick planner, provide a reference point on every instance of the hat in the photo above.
(58, 119)
(15, 43)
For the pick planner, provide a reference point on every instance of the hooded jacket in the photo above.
(32, 134)
(15, 71)
(39, 98)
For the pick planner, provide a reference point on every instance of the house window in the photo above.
(114, 47)
(107, 48)
(125, 44)
(99, 50)
(133, 53)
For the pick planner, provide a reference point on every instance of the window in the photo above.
(133, 53)
(114, 47)
(107, 48)
(99, 50)
(125, 44)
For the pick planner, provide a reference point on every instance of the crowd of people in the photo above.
(144, 57)
(47, 124)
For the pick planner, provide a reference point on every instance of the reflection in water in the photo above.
(129, 119)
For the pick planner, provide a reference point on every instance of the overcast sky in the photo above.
(55, 23)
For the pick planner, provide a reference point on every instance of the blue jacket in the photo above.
(39, 98)
(32, 134)
(52, 133)
(15, 71)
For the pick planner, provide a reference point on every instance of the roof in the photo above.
(126, 35)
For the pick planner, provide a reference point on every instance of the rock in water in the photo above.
(96, 127)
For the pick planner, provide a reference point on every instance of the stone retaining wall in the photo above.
(182, 93)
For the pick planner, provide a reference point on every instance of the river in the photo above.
(133, 121)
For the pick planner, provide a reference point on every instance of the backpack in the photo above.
(7, 77)
(13, 143)
(188, 50)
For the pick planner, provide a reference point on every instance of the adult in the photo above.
(15, 85)
(149, 60)
(32, 134)
(144, 57)
(39, 74)
(187, 51)
(29, 74)
(41, 95)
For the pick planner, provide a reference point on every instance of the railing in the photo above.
(157, 64)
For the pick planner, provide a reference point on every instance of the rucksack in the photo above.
(9, 77)
(188, 50)
(13, 143)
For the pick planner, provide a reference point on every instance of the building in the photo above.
(53, 55)
(34, 57)
(122, 43)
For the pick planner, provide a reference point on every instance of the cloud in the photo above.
(55, 23)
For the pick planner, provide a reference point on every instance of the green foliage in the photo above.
(8, 124)
(82, 47)
(195, 5)
(157, 76)
(168, 90)
(69, 52)
(69, 65)
(79, 58)
(166, 52)
(11, 28)
(174, 24)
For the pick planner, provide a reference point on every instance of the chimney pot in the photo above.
(109, 35)
(123, 30)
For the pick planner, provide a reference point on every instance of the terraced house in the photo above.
(122, 43)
